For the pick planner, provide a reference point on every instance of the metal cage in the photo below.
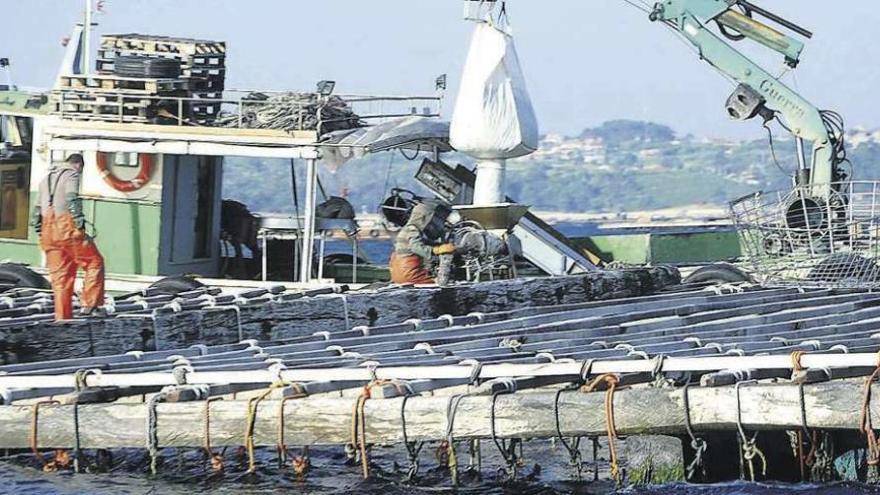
(813, 235)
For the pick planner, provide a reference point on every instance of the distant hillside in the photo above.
(620, 165)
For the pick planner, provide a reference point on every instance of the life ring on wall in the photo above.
(145, 173)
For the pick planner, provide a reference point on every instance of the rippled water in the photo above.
(184, 473)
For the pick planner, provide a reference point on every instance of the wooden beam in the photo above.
(315, 421)
(570, 369)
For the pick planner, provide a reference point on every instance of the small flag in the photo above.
(440, 83)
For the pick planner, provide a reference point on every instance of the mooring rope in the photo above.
(573, 448)
(152, 435)
(508, 451)
(359, 420)
(451, 459)
(698, 444)
(865, 425)
(750, 448)
(298, 393)
(611, 381)
(301, 463)
(412, 448)
(216, 460)
(35, 421)
(251, 420)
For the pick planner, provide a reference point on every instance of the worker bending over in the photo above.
(58, 219)
(418, 244)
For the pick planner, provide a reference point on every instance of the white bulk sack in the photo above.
(493, 117)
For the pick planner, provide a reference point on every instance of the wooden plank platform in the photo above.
(322, 420)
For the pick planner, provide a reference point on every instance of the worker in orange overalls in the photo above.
(58, 219)
(418, 244)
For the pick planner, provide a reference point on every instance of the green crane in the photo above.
(758, 92)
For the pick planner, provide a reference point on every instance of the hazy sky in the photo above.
(586, 61)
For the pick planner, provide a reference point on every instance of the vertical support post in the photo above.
(265, 254)
(323, 244)
(354, 259)
(308, 239)
(87, 37)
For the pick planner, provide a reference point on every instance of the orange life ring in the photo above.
(145, 172)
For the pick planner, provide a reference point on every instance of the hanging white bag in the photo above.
(493, 116)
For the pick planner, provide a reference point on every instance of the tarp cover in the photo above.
(414, 133)
(493, 117)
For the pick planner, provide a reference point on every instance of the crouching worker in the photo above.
(419, 243)
(58, 219)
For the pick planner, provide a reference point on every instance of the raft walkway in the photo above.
(684, 362)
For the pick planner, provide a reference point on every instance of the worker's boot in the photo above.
(94, 312)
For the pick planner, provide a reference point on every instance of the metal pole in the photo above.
(308, 240)
(87, 69)
(264, 254)
(354, 260)
(323, 244)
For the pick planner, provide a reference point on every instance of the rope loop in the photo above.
(750, 448)
(796, 365)
(573, 448)
(81, 376)
(698, 444)
(505, 448)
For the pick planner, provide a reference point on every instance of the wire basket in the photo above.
(814, 235)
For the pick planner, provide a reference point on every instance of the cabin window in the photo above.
(15, 167)
(120, 159)
(204, 208)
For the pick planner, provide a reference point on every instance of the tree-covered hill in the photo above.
(618, 166)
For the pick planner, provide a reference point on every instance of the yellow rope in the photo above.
(253, 403)
(359, 420)
(796, 361)
(611, 381)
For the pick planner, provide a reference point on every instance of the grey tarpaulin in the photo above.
(413, 133)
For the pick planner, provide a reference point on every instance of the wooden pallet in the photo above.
(162, 44)
(113, 107)
(186, 61)
(117, 84)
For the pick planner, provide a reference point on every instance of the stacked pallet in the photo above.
(203, 65)
(118, 99)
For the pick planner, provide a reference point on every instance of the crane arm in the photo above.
(759, 93)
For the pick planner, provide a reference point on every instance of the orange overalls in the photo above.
(59, 220)
(411, 260)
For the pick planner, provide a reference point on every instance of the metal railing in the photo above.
(241, 109)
